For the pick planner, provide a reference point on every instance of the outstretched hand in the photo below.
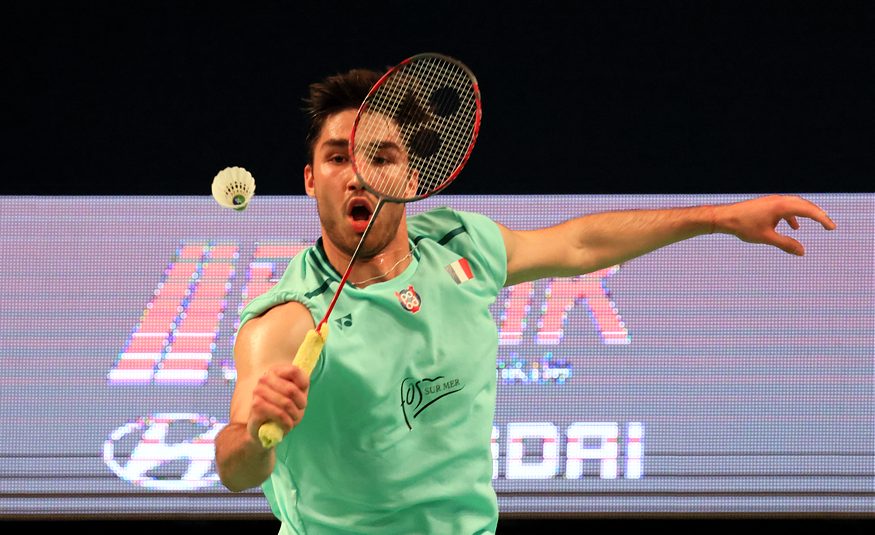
(756, 220)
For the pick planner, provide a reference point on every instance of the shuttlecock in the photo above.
(233, 187)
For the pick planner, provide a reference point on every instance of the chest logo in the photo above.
(409, 299)
(416, 396)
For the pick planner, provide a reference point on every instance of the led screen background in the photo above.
(709, 376)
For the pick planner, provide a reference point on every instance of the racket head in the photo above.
(415, 130)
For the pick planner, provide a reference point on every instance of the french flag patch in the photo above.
(460, 271)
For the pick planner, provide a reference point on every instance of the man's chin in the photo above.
(378, 238)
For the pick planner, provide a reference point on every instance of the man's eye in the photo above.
(380, 160)
(338, 158)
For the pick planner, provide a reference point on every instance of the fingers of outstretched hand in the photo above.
(785, 243)
(791, 220)
(806, 208)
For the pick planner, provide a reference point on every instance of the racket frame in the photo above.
(478, 115)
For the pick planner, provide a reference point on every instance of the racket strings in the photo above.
(451, 101)
(455, 127)
(433, 103)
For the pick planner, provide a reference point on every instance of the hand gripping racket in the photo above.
(411, 138)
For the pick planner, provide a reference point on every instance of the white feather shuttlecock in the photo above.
(233, 187)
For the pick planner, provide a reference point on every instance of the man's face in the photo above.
(344, 206)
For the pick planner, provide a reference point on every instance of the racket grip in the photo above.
(270, 433)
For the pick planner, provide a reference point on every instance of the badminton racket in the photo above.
(427, 109)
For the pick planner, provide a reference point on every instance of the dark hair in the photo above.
(334, 94)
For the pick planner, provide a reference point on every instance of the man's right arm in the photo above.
(268, 388)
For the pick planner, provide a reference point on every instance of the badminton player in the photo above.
(391, 432)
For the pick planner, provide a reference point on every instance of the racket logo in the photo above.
(427, 108)
(409, 299)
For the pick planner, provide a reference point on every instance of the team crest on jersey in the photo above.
(409, 299)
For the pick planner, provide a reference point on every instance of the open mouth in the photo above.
(359, 211)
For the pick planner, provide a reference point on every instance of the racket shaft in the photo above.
(270, 433)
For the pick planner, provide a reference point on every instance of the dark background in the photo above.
(154, 98)
(579, 97)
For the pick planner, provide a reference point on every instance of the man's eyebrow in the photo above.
(339, 143)
(384, 145)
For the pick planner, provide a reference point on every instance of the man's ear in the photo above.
(412, 183)
(309, 181)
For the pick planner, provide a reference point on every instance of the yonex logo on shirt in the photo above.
(343, 321)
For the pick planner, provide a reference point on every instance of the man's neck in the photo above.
(385, 265)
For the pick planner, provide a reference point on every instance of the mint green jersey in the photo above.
(396, 437)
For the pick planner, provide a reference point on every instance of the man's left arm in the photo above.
(592, 242)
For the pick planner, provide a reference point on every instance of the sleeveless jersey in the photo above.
(396, 437)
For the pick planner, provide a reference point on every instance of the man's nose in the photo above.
(352, 182)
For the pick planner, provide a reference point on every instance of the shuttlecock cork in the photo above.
(233, 187)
